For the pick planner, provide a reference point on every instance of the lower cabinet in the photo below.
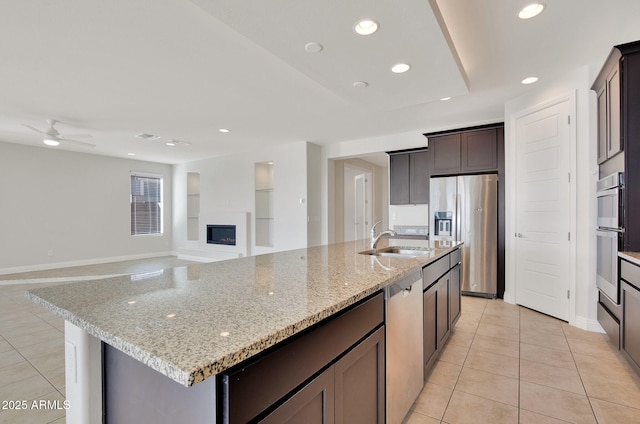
(314, 403)
(630, 302)
(455, 304)
(430, 326)
(350, 391)
(441, 305)
(443, 322)
(360, 383)
(333, 373)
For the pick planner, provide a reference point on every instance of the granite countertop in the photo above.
(190, 323)
(631, 257)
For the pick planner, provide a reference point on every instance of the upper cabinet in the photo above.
(409, 177)
(617, 88)
(607, 88)
(445, 154)
(464, 152)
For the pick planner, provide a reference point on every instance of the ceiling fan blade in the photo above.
(76, 142)
(34, 129)
(76, 136)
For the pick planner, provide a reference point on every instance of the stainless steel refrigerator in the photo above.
(465, 208)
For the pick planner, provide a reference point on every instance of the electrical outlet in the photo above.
(50, 252)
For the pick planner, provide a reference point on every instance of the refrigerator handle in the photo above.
(458, 226)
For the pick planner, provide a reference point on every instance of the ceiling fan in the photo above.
(52, 136)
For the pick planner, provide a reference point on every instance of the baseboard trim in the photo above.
(95, 261)
(588, 324)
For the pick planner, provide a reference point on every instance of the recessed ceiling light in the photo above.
(313, 47)
(534, 9)
(51, 141)
(360, 84)
(444, 99)
(147, 136)
(400, 68)
(170, 143)
(131, 154)
(171, 315)
(529, 80)
(366, 27)
(223, 130)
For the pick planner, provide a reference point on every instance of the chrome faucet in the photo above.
(376, 238)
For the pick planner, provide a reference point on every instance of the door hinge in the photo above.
(568, 176)
(569, 119)
(568, 294)
(569, 236)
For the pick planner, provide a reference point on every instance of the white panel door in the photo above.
(543, 248)
(362, 200)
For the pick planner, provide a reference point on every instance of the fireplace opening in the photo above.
(221, 234)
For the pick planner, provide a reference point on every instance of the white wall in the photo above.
(73, 205)
(227, 184)
(584, 155)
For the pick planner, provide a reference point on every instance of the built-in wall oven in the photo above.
(609, 233)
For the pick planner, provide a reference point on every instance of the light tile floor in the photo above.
(502, 364)
(508, 364)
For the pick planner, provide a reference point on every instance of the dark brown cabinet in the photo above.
(444, 323)
(314, 403)
(479, 151)
(464, 152)
(617, 88)
(607, 88)
(331, 373)
(430, 326)
(399, 177)
(360, 383)
(419, 181)
(409, 177)
(441, 304)
(351, 391)
(630, 302)
(445, 154)
(455, 305)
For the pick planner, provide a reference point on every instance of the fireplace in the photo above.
(221, 234)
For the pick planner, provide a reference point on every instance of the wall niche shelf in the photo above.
(193, 205)
(264, 201)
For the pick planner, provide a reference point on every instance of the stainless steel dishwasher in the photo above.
(404, 350)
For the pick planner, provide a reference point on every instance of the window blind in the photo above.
(146, 204)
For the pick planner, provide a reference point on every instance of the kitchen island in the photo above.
(191, 323)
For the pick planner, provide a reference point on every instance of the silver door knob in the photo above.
(519, 235)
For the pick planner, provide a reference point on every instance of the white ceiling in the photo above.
(183, 69)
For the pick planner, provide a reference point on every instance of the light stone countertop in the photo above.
(193, 322)
(633, 257)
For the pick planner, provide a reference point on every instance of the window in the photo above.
(146, 204)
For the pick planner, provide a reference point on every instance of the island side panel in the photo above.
(135, 393)
(83, 375)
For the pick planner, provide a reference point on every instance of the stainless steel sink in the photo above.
(399, 251)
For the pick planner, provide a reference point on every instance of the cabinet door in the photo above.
(399, 179)
(430, 327)
(455, 299)
(479, 150)
(314, 403)
(360, 383)
(419, 186)
(445, 154)
(614, 144)
(603, 126)
(631, 322)
(444, 322)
